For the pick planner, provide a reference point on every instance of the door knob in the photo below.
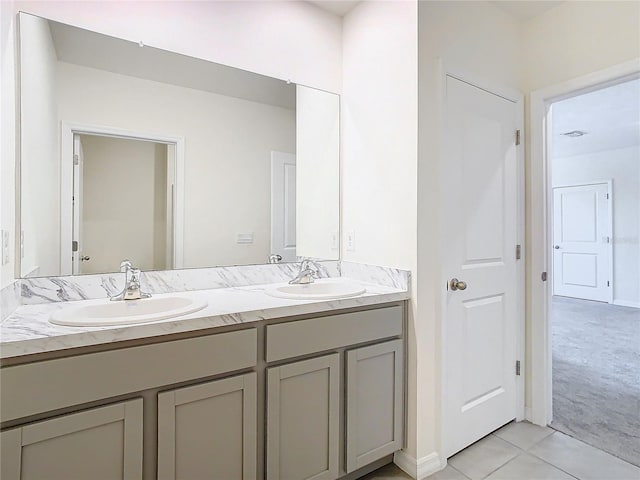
(557, 247)
(85, 258)
(456, 284)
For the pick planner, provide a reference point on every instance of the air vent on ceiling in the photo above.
(574, 133)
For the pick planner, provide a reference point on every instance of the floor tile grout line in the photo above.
(522, 451)
(453, 468)
(556, 466)
(531, 446)
(594, 446)
(591, 446)
(495, 436)
(553, 465)
(504, 464)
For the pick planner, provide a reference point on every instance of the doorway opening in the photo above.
(594, 224)
(121, 197)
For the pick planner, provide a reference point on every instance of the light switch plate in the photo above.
(335, 244)
(245, 238)
(5, 247)
(351, 241)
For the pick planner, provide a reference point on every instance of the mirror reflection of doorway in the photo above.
(122, 203)
(283, 206)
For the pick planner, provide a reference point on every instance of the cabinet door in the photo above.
(102, 443)
(374, 403)
(303, 401)
(208, 430)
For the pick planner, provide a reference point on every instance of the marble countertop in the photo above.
(27, 330)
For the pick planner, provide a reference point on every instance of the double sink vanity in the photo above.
(208, 364)
(254, 384)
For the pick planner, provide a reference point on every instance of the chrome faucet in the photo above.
(131, 289)
(306, 274)
(275, 258)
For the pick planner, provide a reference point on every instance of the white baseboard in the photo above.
(418, 468)
(625, 303)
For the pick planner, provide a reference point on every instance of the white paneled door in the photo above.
(481, 317)
(581, 242)
(283, 206)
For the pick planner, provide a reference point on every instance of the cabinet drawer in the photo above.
(302, 337)
(52, 384)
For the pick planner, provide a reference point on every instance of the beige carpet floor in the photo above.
(596, 375)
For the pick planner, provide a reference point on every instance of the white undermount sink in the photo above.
(94, 313)
(323, 289)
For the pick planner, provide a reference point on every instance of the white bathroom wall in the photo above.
(379, 150)
(39, 168)
(7, 134)
(482, 43)
(282, 39)
(623, 167)
(228, 144)
(317, 173)
(379, 115)
(119, 203)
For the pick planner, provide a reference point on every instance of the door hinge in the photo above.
(608, 283)
(607, 196)
(517, 137)
(518, 252)
(608, 239)
(74, 246)
(517, 367)
(544, 276)
(76, 160)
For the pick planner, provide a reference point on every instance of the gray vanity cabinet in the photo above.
(303, 419)
(101, 443)
(374, 386)
(209, 430)
(313, 398)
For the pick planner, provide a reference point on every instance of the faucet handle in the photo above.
(275, 258)
(125, 265)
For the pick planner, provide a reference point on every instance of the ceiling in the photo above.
(94, 50)
(337, 7)
(522, 10)
(525, 10)
(610, 116)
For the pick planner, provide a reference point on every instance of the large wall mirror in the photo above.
(129, 151)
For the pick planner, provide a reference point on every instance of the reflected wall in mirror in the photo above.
(171, 161)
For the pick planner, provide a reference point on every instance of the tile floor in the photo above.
(522, 451)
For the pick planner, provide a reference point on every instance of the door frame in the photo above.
(540, 411)
(449, 69)
(609, 184)
(68, 130)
